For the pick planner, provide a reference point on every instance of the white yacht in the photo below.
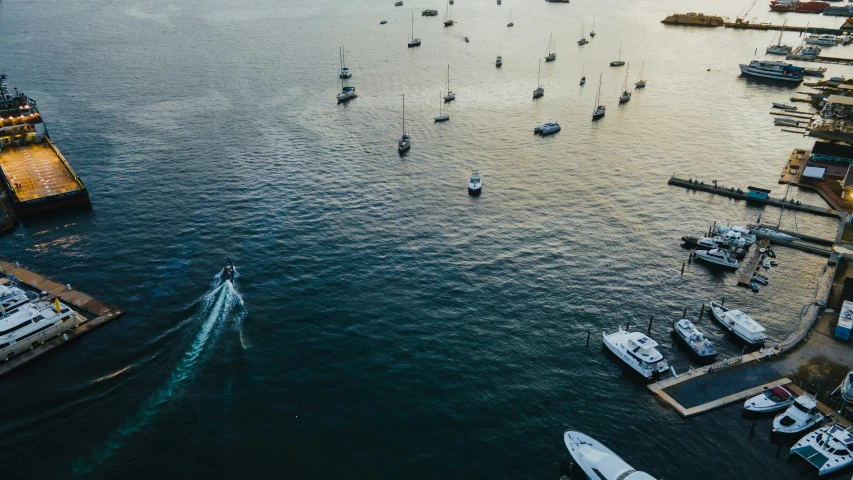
(772, 235)
(12, 298)
(739, 323)
(475, 183)
(597, 461)
(347, 93)
(33, 324)
(825, 40)
(694, 340)
(718, 257)
(743, 232)
(781, 71)
(549, 128)
(637, 350)
(802, 415)
(828, 449)
(345, 73)
(771, 400)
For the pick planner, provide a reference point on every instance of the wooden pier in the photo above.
(658, 389)
(731, 193)
(101, 311)
(752, 266)
(788, 28)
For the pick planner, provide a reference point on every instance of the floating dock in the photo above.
(787, 28)
(97, 313)
(752, 266)
(732, 193)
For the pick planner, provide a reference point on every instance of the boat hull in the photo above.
(684, 342)
(746, 71)
(648, 373)
(717, 313)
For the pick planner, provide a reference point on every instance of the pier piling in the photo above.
(628, 326)
(701, 312)
(651, 319)
(752, 430)
(684, 315)
(587, 338)
(684, 264)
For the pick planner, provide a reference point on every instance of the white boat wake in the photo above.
(221, 304)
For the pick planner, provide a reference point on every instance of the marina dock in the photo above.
(733, 193)
(787, 28)
(96, 312)
(752, 266)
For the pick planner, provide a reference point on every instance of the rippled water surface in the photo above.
(393, 326)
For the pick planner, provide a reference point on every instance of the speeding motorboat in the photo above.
(802, 415)
(597, 461)
(771, 400)
(228, 271)
(739, 323)
(694, 340)
(828, 449)
(637, 350)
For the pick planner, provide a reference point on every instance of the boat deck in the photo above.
(37, 171)
(97, 313)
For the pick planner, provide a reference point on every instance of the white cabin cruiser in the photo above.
(802, 415)
(825, 40)
(33, 324)
(739, 323)
(475, 183)
(773, 70)
(597, 461)
(743, 232)
(637, 350)
(694, 340)
(772, 235)
(772, 400)
(828, 448)
(718, 257)
(12, 298)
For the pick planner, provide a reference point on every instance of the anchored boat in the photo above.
(694, 340)
(802, 415)
(780, 71)
(718, 256)
(772, 400)
(636, 350)
(475, 183)
(739, 323)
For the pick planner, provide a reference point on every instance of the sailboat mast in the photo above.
(413, 38)
(539, 74)
(404, 112)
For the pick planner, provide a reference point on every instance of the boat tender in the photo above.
(739, 323)
(475, 183)
(637, 350)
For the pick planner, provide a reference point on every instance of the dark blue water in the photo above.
(392, 326)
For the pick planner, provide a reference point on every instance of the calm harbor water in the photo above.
(392, 326)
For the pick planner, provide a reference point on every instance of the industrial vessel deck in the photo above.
(34, 172)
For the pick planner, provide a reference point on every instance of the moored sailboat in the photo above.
(405, 142)
(539, 92)
(414, 42)
(599, 109)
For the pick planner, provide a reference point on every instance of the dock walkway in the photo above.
(727, 192)
(751, 267)
(102, 312)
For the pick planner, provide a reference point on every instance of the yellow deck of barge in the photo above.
(37, 171)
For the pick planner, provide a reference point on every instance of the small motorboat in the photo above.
(499, 62)
(772, 400)
(583, 81)
(228, 271)
(475, 183)
(398, 4)
(814, 72)
(466, 40)
(383, 22)
(549, 128)
(784, 106)
(759, 278)
(771, 253)
(786, 122)
(538, 128)
(766, 263)
(598, 461)
(753, 286)
(704, 243)
(802, 415)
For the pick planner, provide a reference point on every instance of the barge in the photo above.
(34, 172)
(694, 20)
